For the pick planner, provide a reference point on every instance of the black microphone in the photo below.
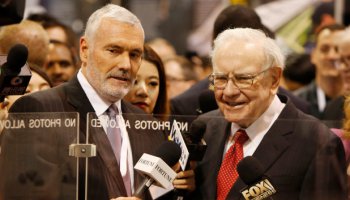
(259, 185)
(11, 11)
(156, 168)
(15, 73)
(194, 140)
(196, 147)
(207, 102)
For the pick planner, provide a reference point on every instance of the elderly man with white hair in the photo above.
(302, 159)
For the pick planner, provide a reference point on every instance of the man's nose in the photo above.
(231, 89)
(57, 69)
(333, 53)
(125, 61)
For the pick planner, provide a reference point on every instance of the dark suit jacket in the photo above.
(58, 178)
(300, 155)
(333, 114)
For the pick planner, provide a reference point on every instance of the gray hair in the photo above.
(110, 11)
(273, 54)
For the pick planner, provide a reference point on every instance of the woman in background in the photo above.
(150, 94)
(149, 91)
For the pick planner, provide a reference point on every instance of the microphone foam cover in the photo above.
(17, 57)
(250, 170)
(169, 152)
(197, 131)
(207, 101)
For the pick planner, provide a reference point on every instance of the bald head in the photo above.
(29, 33)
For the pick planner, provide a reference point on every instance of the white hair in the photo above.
(273, 54)
(110, 11)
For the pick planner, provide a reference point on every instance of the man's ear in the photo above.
(276, 74)
(84, 47)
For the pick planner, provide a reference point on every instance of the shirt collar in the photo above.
(264, 122)
(100, 105)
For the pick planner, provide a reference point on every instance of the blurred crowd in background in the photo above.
(312, 34)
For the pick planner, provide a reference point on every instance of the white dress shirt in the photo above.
(100, 106)
(258, 129)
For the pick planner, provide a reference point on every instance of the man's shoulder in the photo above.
(187, 103)
(193, 92)
(38, 101)
(304, 124)
(306, 90)
(213, 115)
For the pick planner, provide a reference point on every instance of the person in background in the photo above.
(201, 64)
(30, 34)
(58, 31)
(60, 62)
(328, 83)
(299, 154)
(39, 81)
(35, 38)
(344, 131)
(180, 75)
(323, 15)
(162, 47)
(111, 53)
(150, 91)
(299, 71)
(333, 114)
(199, 98)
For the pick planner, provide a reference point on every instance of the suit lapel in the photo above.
(78, 99)
(273, 144)
(222, 130)
(216, 137)
(275, 141)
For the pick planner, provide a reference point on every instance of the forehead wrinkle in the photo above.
(245, 53)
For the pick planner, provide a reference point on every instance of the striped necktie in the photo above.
(114, 136)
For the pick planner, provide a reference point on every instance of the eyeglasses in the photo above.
(241, 81)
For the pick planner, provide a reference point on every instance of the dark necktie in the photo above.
(228, 174)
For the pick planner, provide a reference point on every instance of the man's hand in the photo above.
(4, 106)
(184, 179)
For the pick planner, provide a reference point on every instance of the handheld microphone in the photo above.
(156, 168)
(196, 147)
(258, 186)
(15, 73)
(194, 140)
(11, 11)
(207, 102)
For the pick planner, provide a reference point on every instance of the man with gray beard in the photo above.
(111, 53)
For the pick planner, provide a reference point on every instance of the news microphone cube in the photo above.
(13, 83)
(156, 169)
